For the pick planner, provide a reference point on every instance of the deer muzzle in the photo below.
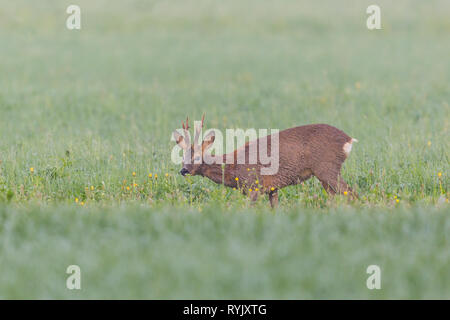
(184, 171)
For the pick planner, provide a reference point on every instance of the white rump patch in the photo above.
(348, 146)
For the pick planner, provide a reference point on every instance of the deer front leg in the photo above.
(273, 198)
(253, 195)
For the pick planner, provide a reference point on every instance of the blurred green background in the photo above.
(81, 110)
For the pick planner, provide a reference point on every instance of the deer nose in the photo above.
(184, 171)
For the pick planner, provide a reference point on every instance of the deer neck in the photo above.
(215, 173)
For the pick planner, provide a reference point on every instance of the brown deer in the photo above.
(312, 150)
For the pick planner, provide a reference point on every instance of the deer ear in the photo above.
(208, 140)
(179, 139)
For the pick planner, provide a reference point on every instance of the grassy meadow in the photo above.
(86, 178)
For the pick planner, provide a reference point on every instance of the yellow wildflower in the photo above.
(92, 188)
(128, 188)
(345, 193)
(76, 200)
(250, 190)
(149, 175)
(256, 189)
(167, 174)
(439, 174)
(429, 143)
(31, 169)
(256, 181)
(134, 174)
(272, 189)
(237, 179)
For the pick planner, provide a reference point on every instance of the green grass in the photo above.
(85, 109)
(134, 252)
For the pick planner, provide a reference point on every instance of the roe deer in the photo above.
(312, 150)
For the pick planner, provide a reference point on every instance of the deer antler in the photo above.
(186, 130)
(197, 130)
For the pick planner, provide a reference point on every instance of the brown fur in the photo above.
(305, 151)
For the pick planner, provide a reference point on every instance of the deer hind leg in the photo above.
(330, 177)
(336, 185)
(343, 186)
(330, 188)
(273, 198)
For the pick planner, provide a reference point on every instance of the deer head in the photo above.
(193, 153)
